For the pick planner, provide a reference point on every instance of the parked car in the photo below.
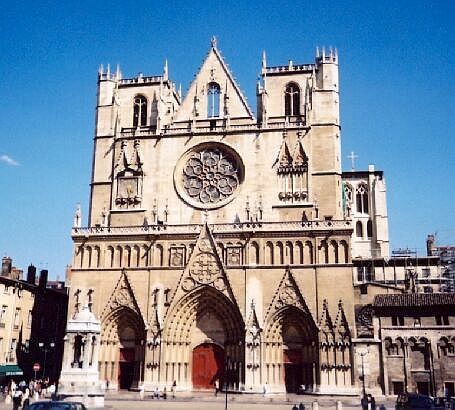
(57, 405)
(415, 401)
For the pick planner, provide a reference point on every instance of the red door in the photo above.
(293, 369)
(208, 360)
(126, 368)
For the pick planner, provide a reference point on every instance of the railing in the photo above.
(142, 79)
(295, 226)
(151, 130)
(294, 67)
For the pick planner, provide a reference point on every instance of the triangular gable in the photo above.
(252, 325)
(299, 156)
(213, 69)
(325, 323)
(204, 268)
(284, 158)
(287, 294)
(341, 323)
(122, 296)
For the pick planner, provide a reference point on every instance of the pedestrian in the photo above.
(141, 392)
(294, 407)
(107, 384)
(17, 399)
(217, 387)
(174, 386)
(372, 403)
(265, 387)
(364, 402)
(301, 406)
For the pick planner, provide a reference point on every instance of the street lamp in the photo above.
(46, 347)
(226, 369)
(362, 353)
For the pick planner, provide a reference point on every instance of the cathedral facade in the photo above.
(219, 245)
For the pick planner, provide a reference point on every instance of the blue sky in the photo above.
(397, 70)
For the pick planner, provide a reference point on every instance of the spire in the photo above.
(165, 70)
(213, 42)
(118, 73)
(264, 60)
(108, 72)
(101, 70)
(180, 90)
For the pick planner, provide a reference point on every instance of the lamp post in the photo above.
(362, 353)
(226, 369)
(45, 347)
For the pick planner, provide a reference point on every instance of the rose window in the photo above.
(208, 175)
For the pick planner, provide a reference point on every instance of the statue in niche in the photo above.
(233, 256)
(177, 257)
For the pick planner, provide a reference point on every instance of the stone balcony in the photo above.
(272, 228)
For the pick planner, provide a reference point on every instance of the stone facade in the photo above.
(417, 332)
(218, 244)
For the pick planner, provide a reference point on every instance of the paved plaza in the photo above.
(207, 401)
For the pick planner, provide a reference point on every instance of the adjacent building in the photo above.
(32, 323)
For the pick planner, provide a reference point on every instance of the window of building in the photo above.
(425, 272)
(397, 387)
(449, 389)
(29, 319)
(362, 199)
(359, 229)
(397, 321)
(140, 111)
(17, 317)
(213, 100)
(292, 99)
(3, 315)
(369, 229)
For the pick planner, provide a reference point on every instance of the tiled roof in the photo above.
(414, 299)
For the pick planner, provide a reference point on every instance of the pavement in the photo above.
(208, 401)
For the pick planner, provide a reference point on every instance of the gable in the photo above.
(198, 101)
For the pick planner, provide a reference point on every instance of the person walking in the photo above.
(217, 387)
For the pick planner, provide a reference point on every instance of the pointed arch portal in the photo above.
(292, 349)
(203, 336)
(122, 351)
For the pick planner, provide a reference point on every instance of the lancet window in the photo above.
(292, 99)
(292, 173)
(213, 100)
(140, 111)
(362, 199)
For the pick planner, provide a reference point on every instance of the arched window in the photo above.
(362, 199)
(292, 99)
(140, 111)
(213, 100)
(359, 229)
(369, 229)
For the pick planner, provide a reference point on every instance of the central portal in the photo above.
(208, 360)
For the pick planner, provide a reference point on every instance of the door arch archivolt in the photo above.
(203, 316)
(291, 354)
(121, 356)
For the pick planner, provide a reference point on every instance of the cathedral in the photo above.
(219, 242)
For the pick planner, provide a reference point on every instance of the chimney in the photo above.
(43, 278)
(7, 264)
(31, 275)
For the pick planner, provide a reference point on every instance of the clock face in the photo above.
(208, 175)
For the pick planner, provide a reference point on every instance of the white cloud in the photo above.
(8, 160)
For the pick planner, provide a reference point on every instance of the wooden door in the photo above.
(293, 369)
(208, 360)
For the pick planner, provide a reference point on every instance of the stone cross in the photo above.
(352, 157)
